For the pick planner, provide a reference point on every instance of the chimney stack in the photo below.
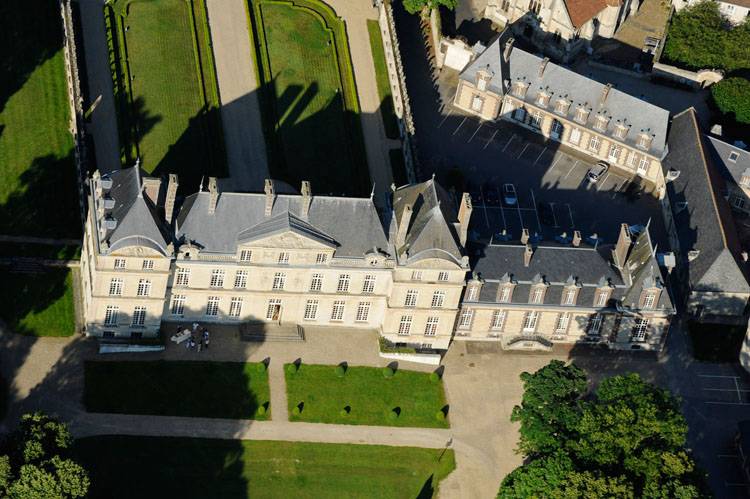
(620, 253)
(170, 196)
(508, 49)
(306, 198)
(403, 226)
(605, 93)
(528, 252)
(542, 66)
(525, 236)
(268, 188)
(213, 191)
(576, 238)
(464, 214)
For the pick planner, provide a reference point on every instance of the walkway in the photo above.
(240, 108)
(103, 121)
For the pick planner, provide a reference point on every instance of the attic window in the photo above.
(601, 123)
(542, 99)
(621, 131)
(582, 114)
(745, 180)
(519, 89)
(644, 141)
(733, 156)
(561, 107)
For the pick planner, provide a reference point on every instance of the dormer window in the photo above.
(537, 294)
(561, 106)
(621, 132)
(483, 78)
(733, 156)
(519, 89)
(745, 179)
(601, 298)
(582, 114)
(472, 293)
(644, 141)
(542, 99)
(505, 293)
(569, 296)
(601, 123)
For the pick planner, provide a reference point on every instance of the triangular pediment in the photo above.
(285, 230)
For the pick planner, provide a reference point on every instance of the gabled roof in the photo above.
(631, 111)
(581, 11)
(703, 219)
(138, 220)
(284, 222)
(722, 154)
(431, 232)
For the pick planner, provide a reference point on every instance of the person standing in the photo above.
(205, 339)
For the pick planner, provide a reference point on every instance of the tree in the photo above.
(548, 409)
(732, 96)
(417, 6)
(37, 466)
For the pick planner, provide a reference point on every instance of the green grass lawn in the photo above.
(390, 121)
(203, 468)
(169, 86)
(38, 193)
(716, 342)
(232, 390)
(308, 96)
(38, 304)
(47, 251)
(370, 396)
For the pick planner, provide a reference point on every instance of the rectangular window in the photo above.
(279, 278)
(561, 107)
(594, 143)
(246, 255)
(273, 312)
(632, 157)
(649, 300)
(614, 153)
(504, 295)
(115, 287)
(430, 327)
(119, 263)
(363, 311)
(139, 316)
(217, 278)
(643, 165)
(562, 322)
(464, 320)
(212, 306)
(411, 298)
(321, 258)
(442, 276)
(477, 101)
(481, 86)
(529, 321)
(556, 130)
(575, 136)
(369, 285)
(595, 325)
(311, 310)
(520, 114)
(416, 275)
(601, 298)
(570, 297)
(183, 277)
(498, 320)
(240, 279)
(537, 296)
(581, 115)
(337, 312)
(148, 265)
(404, 326)
(536, 119)
(110, 316)
(343, 285)
(283, 258)
(316, 284)
(144, 287)
(471, 293)
(639, 330)
(178, 305)
(438, 297)
(235, 307)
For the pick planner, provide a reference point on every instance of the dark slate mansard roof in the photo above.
(576, 88)
(705, 223)
(732, 171)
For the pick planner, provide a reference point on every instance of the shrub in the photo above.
(732, 96)
(388, 372)
(261, 411)
(440, 416)
(393, 415)
(296, 410)
(292, 368)
(434, 377)
(343, 413)
(340, 371)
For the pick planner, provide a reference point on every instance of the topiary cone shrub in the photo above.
(340, 371)
(261, 411)
(440, 416)
(296, 410)
(388, 372)
(292, 368)
(393, 415)
(343, 413)
(434, 377)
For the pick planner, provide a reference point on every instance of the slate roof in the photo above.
(720, 154)
(351, 224)
(138, 220)
(705, 223)
(431, 231)
(577, 88)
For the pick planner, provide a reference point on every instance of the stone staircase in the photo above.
(261, 332)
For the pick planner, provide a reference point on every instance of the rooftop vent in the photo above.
(672, 175)
(109, 203)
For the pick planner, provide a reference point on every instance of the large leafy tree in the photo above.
(548, 410)
(37, 465)
(417, 6)
(732, 96)
(624, 440)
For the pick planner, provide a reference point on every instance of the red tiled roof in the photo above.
(581, 11)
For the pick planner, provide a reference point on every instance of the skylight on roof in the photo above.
(733, 156)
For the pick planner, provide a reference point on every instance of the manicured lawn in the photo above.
(716, 342)
(38, 194)
(370, 396)
(126, 467)
(308, 96)
(51, 252)
(384, 85)
(38, 304)
(166, 87)
(232, 390)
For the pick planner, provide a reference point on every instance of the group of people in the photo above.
(198, 339)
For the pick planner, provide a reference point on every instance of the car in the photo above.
(509, 194)
(597, 171)
(546, 214)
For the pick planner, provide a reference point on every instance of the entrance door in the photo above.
(276, 313)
